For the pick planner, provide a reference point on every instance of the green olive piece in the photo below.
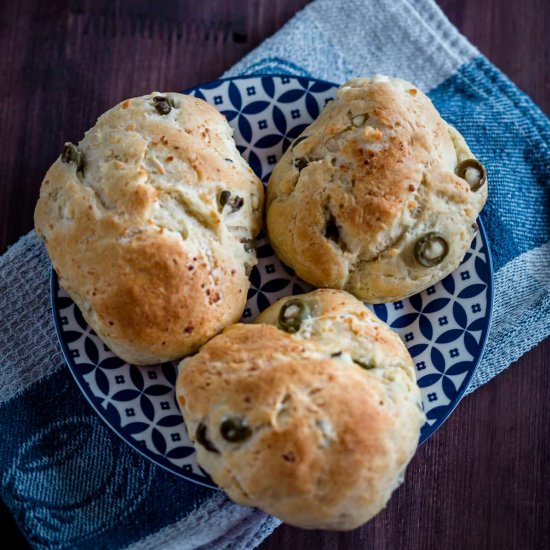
(201, 438)
(234, 201)
(235, 429)
(248, 245)
(72, 154)
(365, 364)
(297, 140)
(292, 314)
(162, 104)
(300, 163)
(223, 197)
(431, 249)
(473, 172)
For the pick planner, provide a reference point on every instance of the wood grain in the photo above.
(483, 481)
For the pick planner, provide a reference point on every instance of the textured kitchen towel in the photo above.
(71, 483)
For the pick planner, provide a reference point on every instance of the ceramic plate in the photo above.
(445, 327)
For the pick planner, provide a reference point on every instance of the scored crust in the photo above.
(334, 412)
(364, 182)
(138, 238)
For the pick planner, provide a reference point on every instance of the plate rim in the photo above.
(484, 337)
(159, 460)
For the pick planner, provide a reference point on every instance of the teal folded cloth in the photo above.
(72, 483)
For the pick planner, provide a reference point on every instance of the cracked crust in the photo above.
(329, 439)
(138, 239)
(349, 199)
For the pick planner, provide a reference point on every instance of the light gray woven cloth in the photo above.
(331, 40)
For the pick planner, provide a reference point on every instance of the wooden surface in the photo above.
(483, 481)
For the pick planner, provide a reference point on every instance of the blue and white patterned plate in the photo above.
(445, 327)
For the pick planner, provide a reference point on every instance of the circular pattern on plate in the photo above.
(445, 327)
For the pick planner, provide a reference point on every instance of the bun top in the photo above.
(147, 223)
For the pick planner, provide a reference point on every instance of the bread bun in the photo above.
(147, 223)
(311, 414)
(378, 196)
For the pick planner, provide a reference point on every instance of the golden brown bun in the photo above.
(328, 439)
(137, 236)
(349, 200)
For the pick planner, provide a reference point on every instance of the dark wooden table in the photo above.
(483, 480)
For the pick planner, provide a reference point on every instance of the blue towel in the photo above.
(71, 483)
